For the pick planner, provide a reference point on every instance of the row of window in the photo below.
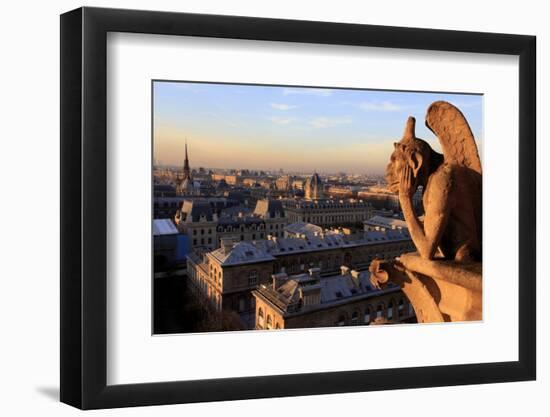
(266, 323)
(204, 289)
(381, 311)
(333, 219)
(318, 208)
(202, 241)
(242, 228)
(332, 263)
(369, 315)
(216, 274)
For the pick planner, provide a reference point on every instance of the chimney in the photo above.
(279, 279)
(344, 270)
(355, 277)
(226, 244)
(314, 272)
(310, 294)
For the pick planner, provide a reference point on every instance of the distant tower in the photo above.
(186, 186)
(186, 169)
(314, 187)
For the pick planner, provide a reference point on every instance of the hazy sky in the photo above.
(298, 129)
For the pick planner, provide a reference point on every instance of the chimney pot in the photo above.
(314, 272)
(226, 244)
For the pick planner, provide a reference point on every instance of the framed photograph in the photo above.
(257, 208)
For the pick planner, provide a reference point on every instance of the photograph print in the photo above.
(290, 207)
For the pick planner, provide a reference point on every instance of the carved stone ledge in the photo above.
(439, 290)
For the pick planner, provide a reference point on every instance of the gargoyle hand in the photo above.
(378, 274)
(407, 183)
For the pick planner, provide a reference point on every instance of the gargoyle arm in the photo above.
(427, 236)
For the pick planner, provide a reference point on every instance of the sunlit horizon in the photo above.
(236, 126)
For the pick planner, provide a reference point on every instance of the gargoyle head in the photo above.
(410, 151)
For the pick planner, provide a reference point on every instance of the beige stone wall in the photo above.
(204, 285)
(330, 261)
(202, 234)
(267, 317)
(230, 179)
(245, 234)
(208, 234)
(240, 278)
(226, 287)
(328, 216)
(394, 308)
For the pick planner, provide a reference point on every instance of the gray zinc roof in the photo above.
(164, 227)
(241, 253)
(196, 209)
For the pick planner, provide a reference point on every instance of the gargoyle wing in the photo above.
(451, 128)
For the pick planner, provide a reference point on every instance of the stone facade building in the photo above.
(231, 179)
(313, 188)
(227, 276)
(311, 300)
(198, 220)
(273, 216)
(327, 212)
(284, 183)
(206, 226)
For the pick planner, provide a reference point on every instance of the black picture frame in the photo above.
(84, 207)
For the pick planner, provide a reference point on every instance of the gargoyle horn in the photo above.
(409, 132)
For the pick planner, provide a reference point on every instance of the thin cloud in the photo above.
(282, 120)
(282, 106)
(319, 92)
(326, 122)
(380, 106)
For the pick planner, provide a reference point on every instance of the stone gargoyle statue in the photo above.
(443, 279)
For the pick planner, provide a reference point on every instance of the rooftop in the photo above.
(240, 253)
(195, 210)
(302, 228)
(266, 249)
(386, 222)
(326, 204)
(269, 209)
(288, 292)
(164, 227)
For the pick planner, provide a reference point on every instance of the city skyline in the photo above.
(293, 128)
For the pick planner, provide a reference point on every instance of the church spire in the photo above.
(186, 169)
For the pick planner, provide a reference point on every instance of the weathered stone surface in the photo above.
(439, 290)
(443, 281)
(455, 135)
(424, 304)
(451, 188)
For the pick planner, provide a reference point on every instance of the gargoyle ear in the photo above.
(415, 162)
